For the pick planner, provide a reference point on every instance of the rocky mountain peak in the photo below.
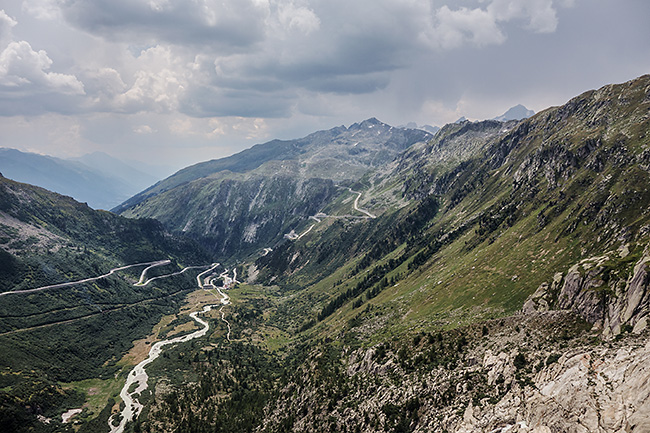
(518, 112)
(367, 124)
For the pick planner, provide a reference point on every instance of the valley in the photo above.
(491, 277)
(139, 377)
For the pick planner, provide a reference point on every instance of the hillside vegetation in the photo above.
(412, 321)
(493, 277)
(74, 333)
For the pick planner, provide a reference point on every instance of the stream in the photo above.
(139, 376)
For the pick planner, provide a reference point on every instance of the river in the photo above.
(139, 376)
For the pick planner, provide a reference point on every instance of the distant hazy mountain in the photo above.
(132, 174)
(430, 129)
(517, 112)
(97, 179)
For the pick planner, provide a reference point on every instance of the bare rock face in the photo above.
(584, 290)
(637, 301)
(498, 366)
(600, 390)
(531, 373)
(603, 291)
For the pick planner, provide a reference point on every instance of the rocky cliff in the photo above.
(612, 292)
(534, 373)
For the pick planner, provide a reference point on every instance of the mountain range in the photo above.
(245, 202)
(97, 178)
(492, 277)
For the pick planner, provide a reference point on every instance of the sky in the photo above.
(174, 82)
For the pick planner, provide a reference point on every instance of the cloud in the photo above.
(243, 127)
(42, 9)
(6, 25)
(300, 19)
(454, 28)
(143, 129)
(27, 85)
(540, 15)
(103, 85)
(227, 24)
(160, 79)
(24, 70)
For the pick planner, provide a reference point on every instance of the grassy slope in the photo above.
(476, 239)
(566, 184)
(78, 332)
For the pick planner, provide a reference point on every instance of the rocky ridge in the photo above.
(339, 154)
(601, 292)
(520, 374)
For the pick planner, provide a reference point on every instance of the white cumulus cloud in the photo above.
(143, 129)
(22, 67)
(454, 28)
(451, 27)
(158, 84)
(297, 18)
(6, 24)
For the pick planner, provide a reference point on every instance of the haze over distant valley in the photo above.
(97, 179)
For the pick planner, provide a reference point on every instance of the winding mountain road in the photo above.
(320, 216)
(356, 205)
(139, 377)
(88, 280)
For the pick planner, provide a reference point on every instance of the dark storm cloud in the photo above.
(338, 48)
(211, 101)
(286, 67)
(221, 23)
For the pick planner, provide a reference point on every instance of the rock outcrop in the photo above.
(586, 390)
(531, 373)
(612, 292)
